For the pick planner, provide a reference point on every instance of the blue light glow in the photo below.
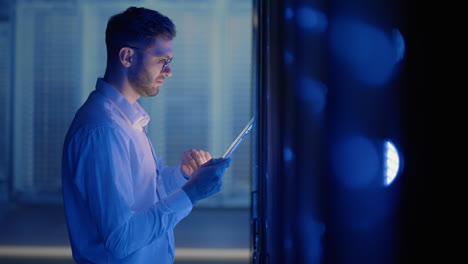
(355, 161)
(368, 53)
(313, 231)
(313, 93)
(288, 13)
(288, 154)
(311, 19)
(399, 43)
(288, 57)
(392, 163)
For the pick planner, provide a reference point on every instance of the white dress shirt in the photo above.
(121, 203)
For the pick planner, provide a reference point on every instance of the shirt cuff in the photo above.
(178, 201)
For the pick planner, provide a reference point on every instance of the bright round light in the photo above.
(392, 163)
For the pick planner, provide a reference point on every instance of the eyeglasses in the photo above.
(166, 61)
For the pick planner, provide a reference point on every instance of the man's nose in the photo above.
(167, 71)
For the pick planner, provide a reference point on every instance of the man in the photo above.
(121, 203)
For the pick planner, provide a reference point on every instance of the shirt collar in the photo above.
(134, 113)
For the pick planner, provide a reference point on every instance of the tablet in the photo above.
(239, 139)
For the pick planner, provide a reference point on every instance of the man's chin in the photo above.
(155, 92)
(152, 93)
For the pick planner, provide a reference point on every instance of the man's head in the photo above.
(136, 25)
(139, 48)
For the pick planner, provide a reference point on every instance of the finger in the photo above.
(200, 154)
(193, 163)
(197, 156)
(194, 153)
(207, 155)
(204, 156)
(188, 159)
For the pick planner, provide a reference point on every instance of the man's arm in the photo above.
(105, 166)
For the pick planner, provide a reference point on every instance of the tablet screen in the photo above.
(239, 139)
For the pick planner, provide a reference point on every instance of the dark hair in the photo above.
(136, 25)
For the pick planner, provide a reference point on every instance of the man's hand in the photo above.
(192, 160)
(206, 180)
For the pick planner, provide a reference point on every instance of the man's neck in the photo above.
(121, 84)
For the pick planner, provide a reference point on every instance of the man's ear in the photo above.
(126, 56)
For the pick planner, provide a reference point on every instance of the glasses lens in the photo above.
(166, 62)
